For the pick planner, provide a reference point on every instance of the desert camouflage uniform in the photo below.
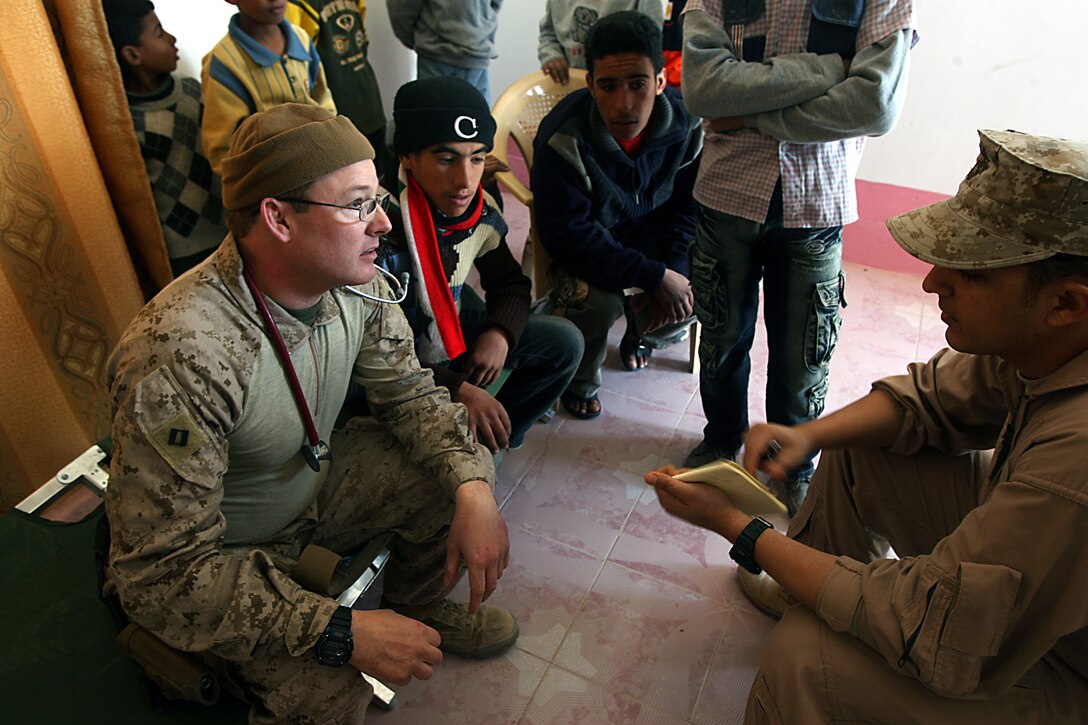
(210, 502)
(982, 618)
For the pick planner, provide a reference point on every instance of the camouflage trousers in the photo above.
(372, 488)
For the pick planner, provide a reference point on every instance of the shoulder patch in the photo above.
(169, 423)
(178, 438)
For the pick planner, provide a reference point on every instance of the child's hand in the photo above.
(558, 70)
(492, 166)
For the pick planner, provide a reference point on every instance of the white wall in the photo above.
(983, 64)
(980, 64)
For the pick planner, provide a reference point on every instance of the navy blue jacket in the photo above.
(612, 220)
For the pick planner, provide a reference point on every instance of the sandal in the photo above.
(568, 399)
(632, 346)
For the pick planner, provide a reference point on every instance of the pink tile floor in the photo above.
(628, 615)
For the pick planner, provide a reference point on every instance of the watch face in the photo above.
(334, 648)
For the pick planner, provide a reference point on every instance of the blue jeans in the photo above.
(541, 365)
(431, 68)
(803, 288)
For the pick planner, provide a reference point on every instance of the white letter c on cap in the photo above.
(462, 134)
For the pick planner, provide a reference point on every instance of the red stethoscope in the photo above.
(314, 450)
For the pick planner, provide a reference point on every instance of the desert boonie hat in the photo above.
(1026, 199)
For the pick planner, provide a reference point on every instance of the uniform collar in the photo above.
(228, 261)
(1073, 374)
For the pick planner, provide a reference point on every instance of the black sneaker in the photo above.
(705, 453)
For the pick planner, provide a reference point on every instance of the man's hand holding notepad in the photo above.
(746, 493)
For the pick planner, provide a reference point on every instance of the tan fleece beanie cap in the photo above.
(284, 147)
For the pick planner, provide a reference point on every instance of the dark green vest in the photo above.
(342, 43)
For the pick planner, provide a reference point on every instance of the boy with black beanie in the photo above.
(444, 222)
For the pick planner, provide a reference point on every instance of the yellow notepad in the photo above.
(748, 494)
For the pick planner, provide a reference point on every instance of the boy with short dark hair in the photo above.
(444, 224)
(262, 61)
(166, 115)
(612, 177)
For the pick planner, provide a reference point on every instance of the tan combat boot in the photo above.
(764, 592)
(488, 632)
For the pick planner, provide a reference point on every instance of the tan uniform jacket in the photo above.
(208, 489)
(1009, 586)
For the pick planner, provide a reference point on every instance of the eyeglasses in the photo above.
(366, 209)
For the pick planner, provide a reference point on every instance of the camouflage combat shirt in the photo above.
(206, 459)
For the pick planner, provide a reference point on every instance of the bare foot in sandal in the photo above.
(579, 407)
(634, 355)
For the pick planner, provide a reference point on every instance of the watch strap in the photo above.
(341, 618)
(335, 646)
(744, 548)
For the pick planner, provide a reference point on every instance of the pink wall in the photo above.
(868, 242)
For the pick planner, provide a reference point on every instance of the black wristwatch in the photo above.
(334, 646)
(744, 550)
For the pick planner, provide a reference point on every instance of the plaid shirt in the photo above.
(740, 169)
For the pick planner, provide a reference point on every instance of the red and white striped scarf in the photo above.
(435, 297)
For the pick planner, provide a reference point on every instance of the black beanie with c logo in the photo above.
(434, 111)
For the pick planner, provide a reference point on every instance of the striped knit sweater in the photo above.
(187, 194)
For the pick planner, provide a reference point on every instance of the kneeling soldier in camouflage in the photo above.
(225, 388)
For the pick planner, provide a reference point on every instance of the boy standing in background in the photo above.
(166, 115)
(262, 61)
(338, 28)
(789, 92)
(566, 23)
(453, 38)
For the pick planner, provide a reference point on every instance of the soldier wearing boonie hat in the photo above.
(223, 470)
(982, 619)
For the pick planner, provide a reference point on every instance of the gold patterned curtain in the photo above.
(80, 244)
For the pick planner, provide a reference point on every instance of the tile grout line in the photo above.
(614, 691)
(706, 675)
